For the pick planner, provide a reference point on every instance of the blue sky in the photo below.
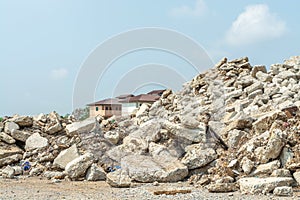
(45, 42)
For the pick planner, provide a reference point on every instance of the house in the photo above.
(122, 105)
(132, 103)
(106, 108)
(156, 92)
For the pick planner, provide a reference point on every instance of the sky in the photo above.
(45, 44)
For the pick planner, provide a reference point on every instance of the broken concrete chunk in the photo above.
(147, 169)
(254, 185)
(266, 169)
(53, 128)
(8, 172)
(20, 135)
(23, 120)
(118, 178)
(296, 176)
(10, 159)
(95, 173)
(9, 126)
(255, 86)
(66, 156)
(77, 167)
(247, 165)
(77, 128)
(264, 122)
(6, 138)
(36, 141)
(197, 156)
(283, 191)
(234, 137)
(112, 136)
(8, 150)
(258, 68)
(54, 174)
(281, 173)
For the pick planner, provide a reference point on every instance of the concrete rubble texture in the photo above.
(227, 125)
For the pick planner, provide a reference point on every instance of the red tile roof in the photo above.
(124, 96)
(156, 92)
(143, 98)
(110, 101)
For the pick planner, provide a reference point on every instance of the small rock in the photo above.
(20, 135)
(147, 169)
(264, 77)
(233, 163)
(274, 146)
(197, 157)
(247, 165)
(296, 176)
(254, 185)
(258, 68)
(112, 136)
(189, 122)
(286, 155)
(118, 178)
(95, 173)
(155, 183)
(283, 191)
(281, 173)
(54, 175)
(66, 156)
(9, 150)
(41, 117)
(8, 172)
(266, 168)
(6, 138)
(77, 167)
(10, 159)
(36, 141)
(9, 126)
(18, 170)
(144, 107)
(35, 171)
(23, 121)
(77, 128)
(255, 86)
(264, 123)
(234, 137)
(53, 128)
(286, 75)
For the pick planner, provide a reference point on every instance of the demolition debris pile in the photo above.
(233, 127)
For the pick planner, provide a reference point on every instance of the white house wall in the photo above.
(128, 108)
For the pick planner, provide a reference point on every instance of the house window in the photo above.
(97, 108)
(106, 108)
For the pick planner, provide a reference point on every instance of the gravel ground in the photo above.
(35, 188)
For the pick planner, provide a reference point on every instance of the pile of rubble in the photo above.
(46, 145)
(233, 127)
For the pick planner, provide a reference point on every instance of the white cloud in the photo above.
(60, 73)
(254, 25)
(197, 10)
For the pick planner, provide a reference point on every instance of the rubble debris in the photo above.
(226, 125)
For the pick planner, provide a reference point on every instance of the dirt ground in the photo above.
(35, 188)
